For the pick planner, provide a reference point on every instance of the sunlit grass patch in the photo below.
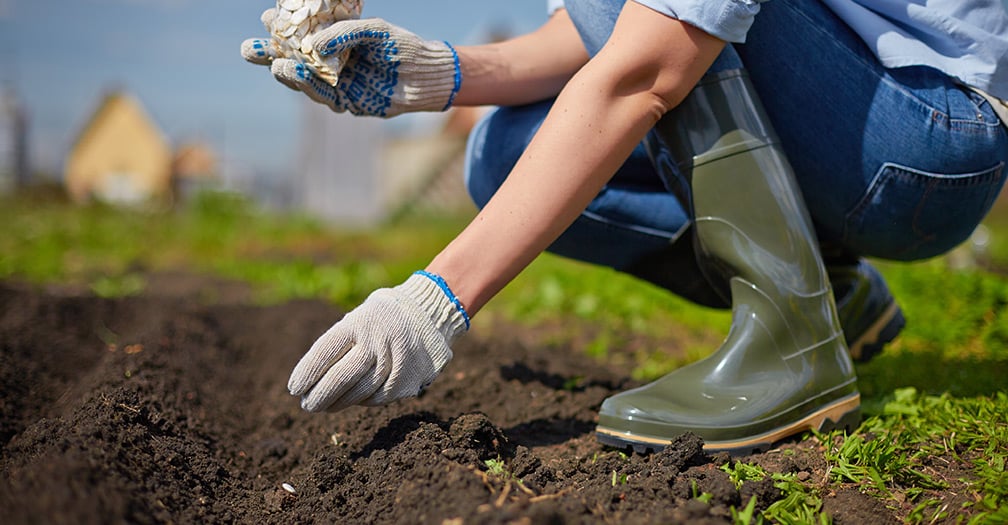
(893, 452)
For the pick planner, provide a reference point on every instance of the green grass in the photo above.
(288, 257)
(938, 391)
(892, 453)
(283, 257)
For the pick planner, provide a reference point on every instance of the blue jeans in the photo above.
(896, 164)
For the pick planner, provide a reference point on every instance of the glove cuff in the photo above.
(436, 79)
(432, 295)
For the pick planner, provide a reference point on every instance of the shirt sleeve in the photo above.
(553, 5)
(728, 20)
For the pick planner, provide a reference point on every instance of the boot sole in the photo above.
(844, 413)
(880, 333)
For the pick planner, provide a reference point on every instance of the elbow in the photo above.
(657, 97)
(659, 86)
(669, 98)
(676, 95)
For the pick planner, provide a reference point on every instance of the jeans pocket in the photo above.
(983, 110)
(908, 214)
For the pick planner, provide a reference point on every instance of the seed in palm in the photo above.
(294, 22)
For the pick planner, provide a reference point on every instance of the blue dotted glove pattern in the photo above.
(320, 90)
(260, 47)
(371, 74)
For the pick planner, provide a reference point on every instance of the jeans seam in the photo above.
(642, 230)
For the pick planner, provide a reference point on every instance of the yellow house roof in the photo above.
(120, 155)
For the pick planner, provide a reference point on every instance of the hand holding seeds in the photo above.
(382, 70)
(293, 23)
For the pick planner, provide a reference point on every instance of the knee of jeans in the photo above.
(480, 182)
(480, 189)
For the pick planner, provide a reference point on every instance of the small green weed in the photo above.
(119, 285)
(799, 503)
(496, 467)
(746, 515)
(705, 497)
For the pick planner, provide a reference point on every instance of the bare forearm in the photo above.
(597, 120)
(524, 69)
(543, 195)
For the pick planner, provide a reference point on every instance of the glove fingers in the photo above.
(298, 76)
(349, 374)
(258, 51)
(267, 18)
(351, 34)
(291, 73)
(405, 382)
(367, 386)
(324, 353)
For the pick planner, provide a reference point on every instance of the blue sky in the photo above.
(181, 59)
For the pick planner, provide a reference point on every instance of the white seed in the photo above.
(299, 16)
(287, 31)
(292, 23)
(289, 488)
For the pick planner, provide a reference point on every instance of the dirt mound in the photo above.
(162, 409)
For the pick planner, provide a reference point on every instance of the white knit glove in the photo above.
(388, 70)
(390, 347)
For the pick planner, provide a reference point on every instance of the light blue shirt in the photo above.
(965, 39)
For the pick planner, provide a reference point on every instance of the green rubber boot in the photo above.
(784, 367)
(869, 314)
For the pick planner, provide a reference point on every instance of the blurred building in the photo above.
(424, 172)
(353, 171)
(338, 177)
(195, 168)
(14, 171)
(120, 157)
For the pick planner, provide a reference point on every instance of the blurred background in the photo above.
(147, 102)
(165, 78)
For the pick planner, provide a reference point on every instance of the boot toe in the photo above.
(655, 415)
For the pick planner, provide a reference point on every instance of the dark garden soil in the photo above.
(172, 408)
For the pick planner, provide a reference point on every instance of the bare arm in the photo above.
(524, 69)
(649, 65)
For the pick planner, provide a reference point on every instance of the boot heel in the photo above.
(869, 315)
(842, 417)
(889, 325)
